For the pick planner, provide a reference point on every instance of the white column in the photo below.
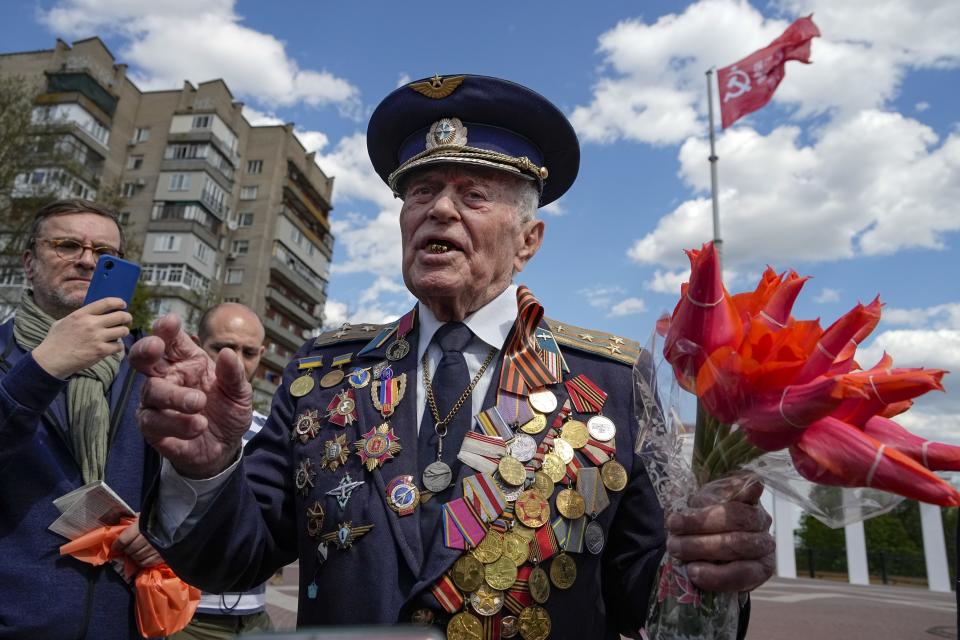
(934, 548)
(783, 519)
(857, 554)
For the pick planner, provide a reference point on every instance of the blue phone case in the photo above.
(113, 278)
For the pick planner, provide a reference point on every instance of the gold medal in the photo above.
(490, 548)
(539, 585)
(486, 601)
(537, 424)
(332, 378)
(512, 471)
(563, 449)
(563, 571)
(500, 574)
(534, 623)
(306, 426)
(532, 510)
(570, 504)
(522, 530)
(543, 484)
(553, 467)
(301, 386)
(467, 573)
(464, 626)
(516, 547)
(575, 432)
(613, 474)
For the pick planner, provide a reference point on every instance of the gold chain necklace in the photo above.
(432, 401)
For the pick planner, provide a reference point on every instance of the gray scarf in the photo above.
(87, 407)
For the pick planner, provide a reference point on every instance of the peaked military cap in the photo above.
(473, 120)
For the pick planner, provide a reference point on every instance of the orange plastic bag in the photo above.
(164, 602)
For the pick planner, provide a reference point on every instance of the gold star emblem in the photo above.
(559, 328)
(617, 340)
(342, 331)
(367, 328)
(614, 349)
(586, 337)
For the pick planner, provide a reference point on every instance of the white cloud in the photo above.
(628, 307)
(602, 296)
(827, 295)
(259, 118)
(338, 312)
(311, 140)
(403, 79)
(554, 208)
(372, 245)
(354, 176)
(668, 282)
(941, 316)
(921, 106)
(169, 41)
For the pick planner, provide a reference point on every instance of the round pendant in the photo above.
(512, 471)
(523, 447)
(437, 476)
(359, 378)
(594, 538)
(543, 484)
(464, 626)
(490, 548)
(346, 406)
(563, 571)
(398, 350)
(403, 496)
(331, 378)
(539, 585)
(532, 510)
(536, 424)
(509, 492)
(534, 623)
(467, 573)
(516, 547)
(575, 432)
(301, 386)
(500, 574)
(486, 601)
(570, 504)
(543, 401)
(614, 476)
(509, 627)
(554, 467)
(601, 428)
(564, 450)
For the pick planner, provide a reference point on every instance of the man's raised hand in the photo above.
(193, 411)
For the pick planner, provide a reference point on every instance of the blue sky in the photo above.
(851, 174)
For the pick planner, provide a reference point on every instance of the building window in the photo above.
(124, 218)
(254, 166)
(180, 275)
(234, 276)
(129, 189)
(201, 122)
(201, 251)
(165, 243)
(245, 219)
(231, 299)
(248, 193)
(134, 162)
(180, 182)
(141, 134)
(240, 247)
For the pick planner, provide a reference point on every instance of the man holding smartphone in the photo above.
(67, 418)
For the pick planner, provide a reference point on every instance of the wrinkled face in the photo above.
(235, 327)
(461, 233)
(59, 286)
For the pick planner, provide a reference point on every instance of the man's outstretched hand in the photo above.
(193, 411)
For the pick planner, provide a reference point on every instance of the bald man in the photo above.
(231, 325)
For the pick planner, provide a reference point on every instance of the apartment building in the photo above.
(216, 209)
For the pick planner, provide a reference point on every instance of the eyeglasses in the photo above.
(71, 250)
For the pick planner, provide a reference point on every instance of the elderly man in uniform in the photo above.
(471, 465)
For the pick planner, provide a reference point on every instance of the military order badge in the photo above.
(377, 446)
(342, 409)
(306, 426)
(335, 453)
(346, 534)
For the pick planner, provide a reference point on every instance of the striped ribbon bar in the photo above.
(587, 397)
(389, 391)
(573, 468)
(590, 486)
(513, 408)
(505, 521)
(481, 452)
(522, 368)
(447, 594)
(462, 528)
(310, 362)
(341, 360)
(544, 543)
(548, 345)
(599, 452)
(491, 626)
(570, 533)
(492, 423)
(483, 494)
(518, 597)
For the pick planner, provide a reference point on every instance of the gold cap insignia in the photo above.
(437, 87)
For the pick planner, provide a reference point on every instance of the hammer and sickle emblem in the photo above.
(737, 84)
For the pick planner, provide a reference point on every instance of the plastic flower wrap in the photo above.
(787, 399)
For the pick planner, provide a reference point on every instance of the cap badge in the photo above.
(437, 87)
(447, 131)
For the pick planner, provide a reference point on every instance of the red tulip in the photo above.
(859, 321)
(935, 456)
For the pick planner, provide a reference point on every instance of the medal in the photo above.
(516, 547)
(346, 534)
(315, 516)
(303, 477)
(511, 471)
(500, 574)
(543, 484)
(535, 425)
(563, 571)
(437, 476)
(543, 400)
(564, 451)
(486, 601)
(570, 504)
(377, 446)
(601, 428)
(403, 496)
(388, 391)
(510, 493)
(399, 348)
(614, 475)
(301, 386)
(342, 409)
(359, 378)
(467, 573)
(464, 626)
(534, 623)
(553, 467)
(335, 376)
(539, 585)
(594, 538)
(522, 447)
(335, 453)
(343, 490)
(306, 426)
(490, 548)
(509, 627)
(575, 432)
(532, 510)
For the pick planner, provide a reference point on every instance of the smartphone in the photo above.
(113, 278)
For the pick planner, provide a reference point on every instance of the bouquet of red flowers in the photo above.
(767, 382)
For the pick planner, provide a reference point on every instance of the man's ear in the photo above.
(29, 264)
(532, 239)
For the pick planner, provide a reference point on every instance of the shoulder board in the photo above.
(596, 342)
(351, 333)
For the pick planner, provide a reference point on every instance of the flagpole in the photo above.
(717, 240)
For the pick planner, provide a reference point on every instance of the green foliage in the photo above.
(140, 308)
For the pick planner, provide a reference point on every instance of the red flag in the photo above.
(748, 84)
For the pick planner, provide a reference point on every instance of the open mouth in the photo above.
(440, 246)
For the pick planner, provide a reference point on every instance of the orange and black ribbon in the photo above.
(523, 371)
(587, 397)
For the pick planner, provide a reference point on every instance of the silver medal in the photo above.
(563, 449)
(594, 538)
(543, 401)
(601, 428)
(437, 476)
(523, 447)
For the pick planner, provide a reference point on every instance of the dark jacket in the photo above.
(45, 595)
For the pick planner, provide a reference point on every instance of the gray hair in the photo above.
(528, 200)
(71, 206)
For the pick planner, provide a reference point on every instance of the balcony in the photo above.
(291, 308)
(82, 81)
(199, 164)
(184, 226)
(205, 135)
(314, 291)
(281, 334)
